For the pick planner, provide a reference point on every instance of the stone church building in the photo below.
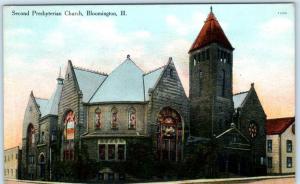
(105, 113)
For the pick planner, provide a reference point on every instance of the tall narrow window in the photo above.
(97, 118)
(223, 82)
(121, 152)
(69, 135)
(101, 151)
(111, 152)
(200, 82)
(269, 145)
(289, 146)
(270, 162)
(289, 162)
(114, 118)
(132, 118)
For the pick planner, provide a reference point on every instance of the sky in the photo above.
(36, 47)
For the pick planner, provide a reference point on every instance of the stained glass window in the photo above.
(132, 119)
(101, 151)
(114, 118)
(111, 152)
(98, 118)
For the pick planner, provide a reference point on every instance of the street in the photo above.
(291, 180)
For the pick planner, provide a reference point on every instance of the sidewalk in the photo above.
(206, 181)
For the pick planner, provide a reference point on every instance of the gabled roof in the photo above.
(123, 84)
(211, 32)
(151, 78)
(239, 99)
(88, 81)
(42, 103)
(52, 105)
(278, 125)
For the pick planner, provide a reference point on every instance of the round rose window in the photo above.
(252, 130)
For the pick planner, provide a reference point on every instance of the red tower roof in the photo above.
(279, 125)
(211, 32)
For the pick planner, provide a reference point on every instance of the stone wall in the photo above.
(253, 111)
(31, 116)
(169, 92)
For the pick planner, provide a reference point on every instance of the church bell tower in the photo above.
(210, 72)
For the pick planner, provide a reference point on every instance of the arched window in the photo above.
(114, 118)
(97, 118)
(69, 125)
(69, 135)
(169, 135)
(30, 135)
(132, 118)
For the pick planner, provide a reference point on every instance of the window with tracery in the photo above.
(69, 135)
(132, 118)
(98, 118)
(169, 135)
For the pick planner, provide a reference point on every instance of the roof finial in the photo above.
(128, 56)
(211, 9)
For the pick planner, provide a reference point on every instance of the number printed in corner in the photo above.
(282, 13)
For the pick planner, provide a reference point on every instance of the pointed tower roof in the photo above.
(211, 32)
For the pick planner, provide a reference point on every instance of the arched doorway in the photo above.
(169, 135)
(42, 165)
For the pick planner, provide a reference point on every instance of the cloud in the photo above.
(55, 39)
(142, 34)
(185, 27)
(176, 24)
(17, 32)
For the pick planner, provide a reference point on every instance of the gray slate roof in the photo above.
(52, 106)
(123, 84)
(150, 79)
(42, 103)
(238, 99)
(88, 82)
(127, 83)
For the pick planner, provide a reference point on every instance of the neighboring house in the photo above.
(281, 145)
(12, 158)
